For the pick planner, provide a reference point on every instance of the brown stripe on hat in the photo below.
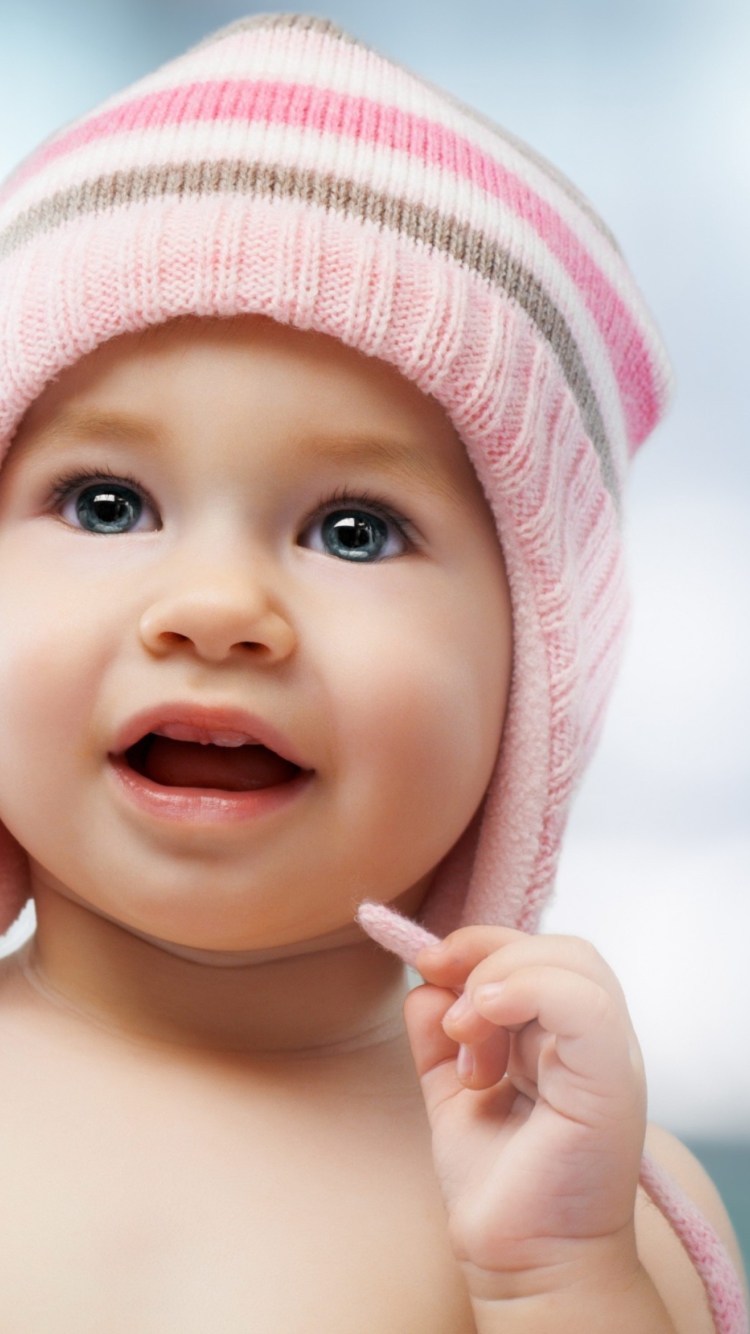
(438, 231)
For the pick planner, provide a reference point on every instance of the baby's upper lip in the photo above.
(205, 722)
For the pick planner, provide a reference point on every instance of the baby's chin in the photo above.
(349, 934)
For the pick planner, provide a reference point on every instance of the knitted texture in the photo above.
(725, 1296)
(282, 168)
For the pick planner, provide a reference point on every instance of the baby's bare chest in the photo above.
(162, 1205)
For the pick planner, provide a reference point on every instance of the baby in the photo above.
(317, 393)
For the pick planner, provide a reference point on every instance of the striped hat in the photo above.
(283, 168)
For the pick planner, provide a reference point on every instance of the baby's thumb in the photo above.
(434, 1053)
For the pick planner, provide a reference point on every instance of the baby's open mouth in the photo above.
(223, 761)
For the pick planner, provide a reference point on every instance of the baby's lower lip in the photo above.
(203, 806)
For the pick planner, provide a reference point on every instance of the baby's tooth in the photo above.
(177, 732)
(205, 737)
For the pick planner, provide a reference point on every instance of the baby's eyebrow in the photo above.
(393, 458)
(97, 425)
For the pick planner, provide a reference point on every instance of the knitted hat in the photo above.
(283, 168)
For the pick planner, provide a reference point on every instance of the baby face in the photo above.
(256, 634)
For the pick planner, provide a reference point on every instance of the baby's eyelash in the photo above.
(68, 482)
(344, 498)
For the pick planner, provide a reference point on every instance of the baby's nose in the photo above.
(217, 617)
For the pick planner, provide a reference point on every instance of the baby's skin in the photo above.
(224, 1106)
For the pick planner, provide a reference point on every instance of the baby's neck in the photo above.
(322, 997)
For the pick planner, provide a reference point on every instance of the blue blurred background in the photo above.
(646, 105)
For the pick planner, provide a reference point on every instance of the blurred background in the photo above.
(645, 104)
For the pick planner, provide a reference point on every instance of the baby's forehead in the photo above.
(237, 346)
(322, 401)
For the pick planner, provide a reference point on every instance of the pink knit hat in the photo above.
(283, 168)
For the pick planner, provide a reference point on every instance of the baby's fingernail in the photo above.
(465, 1063)
(459, 1009)
(491, 991)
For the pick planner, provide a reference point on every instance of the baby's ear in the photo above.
(15, 883)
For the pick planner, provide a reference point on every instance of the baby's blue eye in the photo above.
(354, 534)
(108, 508)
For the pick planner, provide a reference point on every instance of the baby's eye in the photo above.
(356, 534)
(107, 507)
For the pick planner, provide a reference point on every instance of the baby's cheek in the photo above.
(421, 750)
(48, 669)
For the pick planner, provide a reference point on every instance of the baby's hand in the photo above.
(539, 1116)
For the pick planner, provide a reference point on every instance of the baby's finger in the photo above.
(525, 1050)
(592, 1038)
(464, 1023)
(450, 961)
(424, 1009)
(483, 1064)
(568, 952)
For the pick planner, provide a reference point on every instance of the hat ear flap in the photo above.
(15, 881)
